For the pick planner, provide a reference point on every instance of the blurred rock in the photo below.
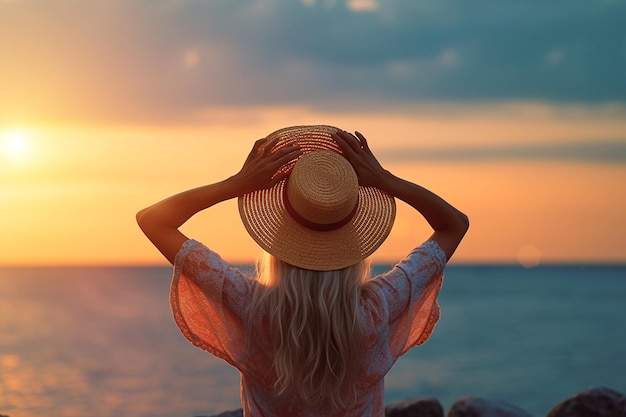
(592, 402)
(417, 407)
(233, 413)
(482, 407)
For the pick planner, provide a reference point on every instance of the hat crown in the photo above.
(323, 188)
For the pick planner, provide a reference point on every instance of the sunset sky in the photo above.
(515, 112)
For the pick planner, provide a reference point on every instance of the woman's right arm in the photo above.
(448, 223)
(161, 221)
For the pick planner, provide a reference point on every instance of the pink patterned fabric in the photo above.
(210, 301)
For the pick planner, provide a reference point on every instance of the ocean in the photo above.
(77, 342)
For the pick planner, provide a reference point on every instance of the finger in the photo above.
(274, 164)
(363, 141)
(269, 145)
(350, 139)
(277, 178)
(282, 153)
(347, 142)
(258, 143)
(288, 157)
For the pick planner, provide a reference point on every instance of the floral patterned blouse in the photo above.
(210, 301)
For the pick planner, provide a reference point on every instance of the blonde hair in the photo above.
(316, 329)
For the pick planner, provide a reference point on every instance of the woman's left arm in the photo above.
(160, 222)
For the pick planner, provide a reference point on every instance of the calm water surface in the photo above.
(101, 342)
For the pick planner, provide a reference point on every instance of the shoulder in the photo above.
(207, 268)
(427, 259)
(195, 254)
(408, 278)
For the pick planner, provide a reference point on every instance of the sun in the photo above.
(15, 145)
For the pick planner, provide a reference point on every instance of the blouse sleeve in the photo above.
(210, 300)
(409, 293)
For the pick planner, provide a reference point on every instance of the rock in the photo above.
(233, 413)
(592, 402)
(417, 407)
(482, 407)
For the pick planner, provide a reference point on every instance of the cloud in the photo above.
(606, 152)
(169, 58)
(363, 5)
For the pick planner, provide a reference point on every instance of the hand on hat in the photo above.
(259, 169)
(365, 164)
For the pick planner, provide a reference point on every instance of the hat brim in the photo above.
(268, 222)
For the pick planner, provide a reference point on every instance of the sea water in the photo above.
(77, 342)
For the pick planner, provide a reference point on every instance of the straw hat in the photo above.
(319, 218)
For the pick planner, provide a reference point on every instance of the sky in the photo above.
(513, 111)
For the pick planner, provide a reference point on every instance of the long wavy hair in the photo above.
(316, 329)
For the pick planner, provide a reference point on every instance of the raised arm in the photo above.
(160, 222)
(448, 223)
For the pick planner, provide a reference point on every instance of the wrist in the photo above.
(384, 181)
(236, 185)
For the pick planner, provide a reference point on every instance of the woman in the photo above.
(313, 334)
